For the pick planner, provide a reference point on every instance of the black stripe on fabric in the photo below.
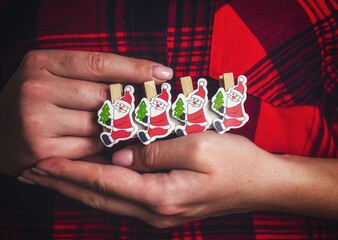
(304, 47)
(294, 45)
(205, 46)
(294, 72)
(178, 36)
(235, 226)
(318, 139)
(259, 14)
(110, 25)
(23, 208)
(17, 22)
(147, 18)
(192, 33)
(193, 30)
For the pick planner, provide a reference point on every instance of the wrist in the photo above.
(298, 185)
(258, 186)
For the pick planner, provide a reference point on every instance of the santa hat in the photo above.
(163, 97)
(201, 91)
(240, 88)
(127, 98)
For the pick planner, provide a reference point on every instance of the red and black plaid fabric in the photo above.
(286, 48)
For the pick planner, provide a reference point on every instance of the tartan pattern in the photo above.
(298, 71)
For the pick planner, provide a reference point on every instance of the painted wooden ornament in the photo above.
(117, 118)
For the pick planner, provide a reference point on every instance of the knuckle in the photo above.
(139, 68)
(165, 209)
(161, 223)
(41, 149)
(87, 122)
(149, 154)
(34, 123)
(99, 183)
(142, 69)
(97, 62)
(33, 59)
(103, 92)
(166, 204)
(92, 201)
(197, 148)
(32, 88)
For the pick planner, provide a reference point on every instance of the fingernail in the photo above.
(123, 158)
(39, 172)
(26, 181)
(162, 72)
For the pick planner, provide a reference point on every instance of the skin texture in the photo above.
(52, 99)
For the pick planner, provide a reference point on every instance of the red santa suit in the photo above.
(196, 121)
(234, 115)
(122, 127)
(159, 125)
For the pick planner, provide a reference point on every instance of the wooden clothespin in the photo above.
(226, 81)
(186, 83)
(150, 89)
(115, 91)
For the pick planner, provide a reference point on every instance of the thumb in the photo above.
(180, 153)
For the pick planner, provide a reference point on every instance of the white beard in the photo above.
(117, 115)
(155, 112)
(231, 103)
(192, 109)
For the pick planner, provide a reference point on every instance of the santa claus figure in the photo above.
(158, 120)
(233, 111)
(195, 119)
(121, 124)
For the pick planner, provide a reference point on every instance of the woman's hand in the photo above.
(168, 182)
(202, 175)
(49, 105)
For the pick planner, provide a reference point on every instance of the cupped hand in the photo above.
(167, 183)
(48, 106)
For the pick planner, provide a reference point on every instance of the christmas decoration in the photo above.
(156, 117)
(191, 110)
(141, 112)
(230, 105)
(218, 103)
(117, 117)
(178, 108)
(104, 114)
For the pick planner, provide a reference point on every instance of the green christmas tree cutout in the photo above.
(141, 111)
(179, 108)
(104, 113)
(218, 101)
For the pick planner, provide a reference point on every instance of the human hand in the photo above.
(48, 106)
(167, 183)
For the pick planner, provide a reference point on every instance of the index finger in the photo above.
(96, 66)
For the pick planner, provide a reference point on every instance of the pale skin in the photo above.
(52, 100)
(169, 182)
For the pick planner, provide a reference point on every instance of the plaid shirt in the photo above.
(287, 50)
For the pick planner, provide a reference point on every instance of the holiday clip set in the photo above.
(156, 116)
